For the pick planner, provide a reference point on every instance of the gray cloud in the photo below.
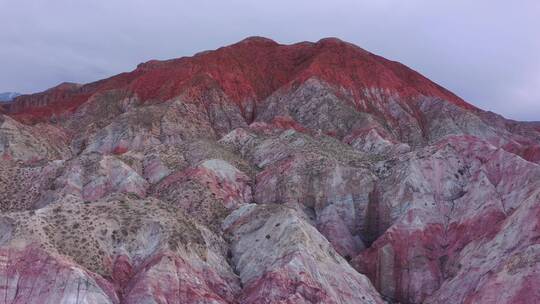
(488, 52)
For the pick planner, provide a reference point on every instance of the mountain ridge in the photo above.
(324, 59)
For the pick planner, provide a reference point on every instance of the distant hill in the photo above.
(8, 96)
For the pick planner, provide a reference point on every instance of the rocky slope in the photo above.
(266, 173)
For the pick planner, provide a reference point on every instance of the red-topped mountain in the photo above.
(247, 72)
(266, 173)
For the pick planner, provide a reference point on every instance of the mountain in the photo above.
(315, 172)
(8, 96)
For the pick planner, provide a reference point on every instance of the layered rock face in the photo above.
(266, 173)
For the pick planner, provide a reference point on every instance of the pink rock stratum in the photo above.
(266, 173)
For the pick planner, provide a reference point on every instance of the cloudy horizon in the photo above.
(487, 52)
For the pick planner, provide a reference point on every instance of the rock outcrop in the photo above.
(282, 258)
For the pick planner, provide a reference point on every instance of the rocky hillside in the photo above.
(266, 173)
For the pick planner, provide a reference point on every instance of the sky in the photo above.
(486, 51)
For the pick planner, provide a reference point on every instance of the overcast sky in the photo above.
(486, 51)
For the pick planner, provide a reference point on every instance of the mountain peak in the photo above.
(257, 40)
(67, 86)
(332, 41)
(248, 72)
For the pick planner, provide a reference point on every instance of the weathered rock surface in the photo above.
(432, 207)
(31, 143)
(281, 258)
(328, 180)
(134, 244)
(33, 276)
(266, 173)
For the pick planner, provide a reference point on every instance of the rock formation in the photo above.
(266, 173)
